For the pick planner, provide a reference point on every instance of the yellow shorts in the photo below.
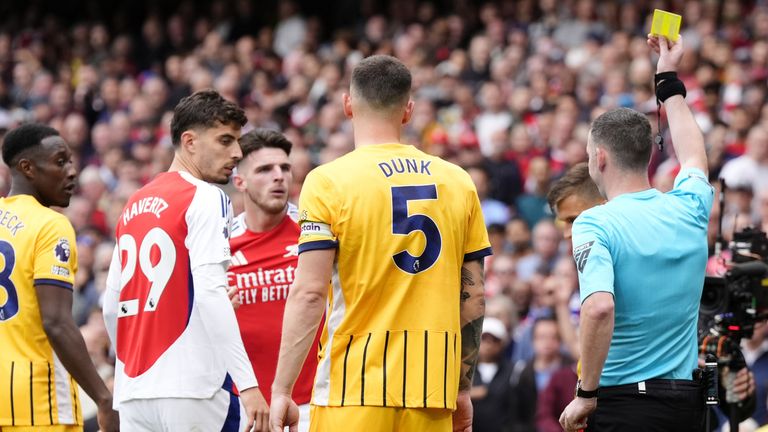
(379, 419)
(54, 428)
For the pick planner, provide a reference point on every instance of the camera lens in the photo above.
(714, 297)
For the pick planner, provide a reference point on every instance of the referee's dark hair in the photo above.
(626, 134)
(381, 81)
(576, 181)
(204, 109)
(258, 139)
(22, 138)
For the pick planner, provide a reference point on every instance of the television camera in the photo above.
(731, 305)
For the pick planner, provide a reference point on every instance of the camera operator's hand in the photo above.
(670, 53)
(743, 383)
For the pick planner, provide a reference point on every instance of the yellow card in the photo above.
(666, 24)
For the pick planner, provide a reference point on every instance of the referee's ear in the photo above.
(602, 157)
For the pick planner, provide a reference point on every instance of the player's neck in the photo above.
(182, 163)
(376, 132)
(623, 183)
(257, 220)
(22, 187)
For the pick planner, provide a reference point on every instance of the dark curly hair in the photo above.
(204, 109)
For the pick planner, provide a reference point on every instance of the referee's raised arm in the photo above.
(686, 136)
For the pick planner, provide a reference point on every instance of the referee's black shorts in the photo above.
(655, 405)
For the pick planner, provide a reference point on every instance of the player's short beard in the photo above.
(269, 206)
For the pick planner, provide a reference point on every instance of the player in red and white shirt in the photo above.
(264, 256)
(166, 306)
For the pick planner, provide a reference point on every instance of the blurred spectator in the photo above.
(532, 205)
(546, 241)
(338, 145)
(540, 305)
(501, 275)
(505, 182)
(518, 238)
(565, 283)
(507, 86)
(490, 390)
(502, 308)
(574, 31)
(749, 171)
(291, 28)
(494, 212)
(530, 377)
(497, 237)
(492, 119)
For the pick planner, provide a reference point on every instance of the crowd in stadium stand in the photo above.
(504, 89)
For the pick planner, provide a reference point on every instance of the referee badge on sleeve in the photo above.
(581, 253)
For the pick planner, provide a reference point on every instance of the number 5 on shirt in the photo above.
(404, 224)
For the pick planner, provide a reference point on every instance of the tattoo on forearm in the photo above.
(472, 300)
(470, 346)
(466, 278)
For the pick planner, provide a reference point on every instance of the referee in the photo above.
(641, 259)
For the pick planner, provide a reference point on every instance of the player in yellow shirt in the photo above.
(401, 236)
(41, 345)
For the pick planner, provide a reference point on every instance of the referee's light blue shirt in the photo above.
(648, 249)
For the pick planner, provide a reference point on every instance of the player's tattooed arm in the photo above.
(472, 311)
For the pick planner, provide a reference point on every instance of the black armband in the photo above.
(668, 85)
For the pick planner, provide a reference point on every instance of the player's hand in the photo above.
(743, 383)
(670, 53)
(284, 412)
(256, 410)
(462, 417)
(234, 297)
(108, 419)
(574, 417)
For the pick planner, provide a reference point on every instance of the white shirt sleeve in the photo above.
(112, 297)
(210, 281)
(209, 221)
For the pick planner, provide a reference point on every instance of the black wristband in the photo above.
(668, 85)
(586, 394)
(661, 76)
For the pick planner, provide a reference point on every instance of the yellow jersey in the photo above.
(37, 246)
(403, 222)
